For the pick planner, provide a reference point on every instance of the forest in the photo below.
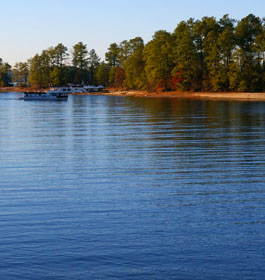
(199, 55)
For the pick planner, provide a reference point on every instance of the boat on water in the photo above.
(60, 93)
(84, 89)
(93, 88)
(52, 94)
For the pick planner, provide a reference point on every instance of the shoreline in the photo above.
(229, 96)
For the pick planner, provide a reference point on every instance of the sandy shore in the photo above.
(236, 96)
(240, 96)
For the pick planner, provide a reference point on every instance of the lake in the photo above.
(101, 187)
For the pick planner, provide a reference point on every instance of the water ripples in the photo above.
(131, 188)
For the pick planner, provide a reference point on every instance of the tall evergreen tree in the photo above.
(185, 56)
(80, 56)
(60, 54)
(5, 77)
(159, 61)
(112, 56)
(134, 64)
(80, 63)
(226, 45)
(93, 63)
(246, 70)
(21, 73)
(40, 69)
(102, 74)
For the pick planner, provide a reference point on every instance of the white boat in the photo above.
(85, 88)
(60, 93)
(52, 94)
(72, 89)
(93, 88)
(76, 89)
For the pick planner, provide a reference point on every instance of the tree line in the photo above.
(200, 55)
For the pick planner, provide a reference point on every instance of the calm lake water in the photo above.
(101, 187)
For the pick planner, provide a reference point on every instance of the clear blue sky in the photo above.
(29, 26)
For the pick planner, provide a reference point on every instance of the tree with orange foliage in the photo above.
(119, 77)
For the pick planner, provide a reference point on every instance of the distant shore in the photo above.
(240, 96)
(236, 96)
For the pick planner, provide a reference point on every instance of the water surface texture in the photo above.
(102, 187)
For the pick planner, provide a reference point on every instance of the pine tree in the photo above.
(158, 59)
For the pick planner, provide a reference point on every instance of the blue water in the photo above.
(101, 187)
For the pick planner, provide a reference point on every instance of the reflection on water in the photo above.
(131, 188)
